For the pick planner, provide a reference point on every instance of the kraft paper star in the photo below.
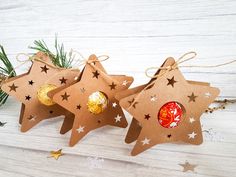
(78, 94)
(170, 86)
(171, 81)
(188, 167)
(56, 154)
(12, 87)
(25, 87)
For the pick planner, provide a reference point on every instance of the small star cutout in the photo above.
(13, 87)
(191, 120)
(65, 96)
(31, 82)
(153, 98)
(117, 118)
(146, 141)
(80, 129)
(114, 104)
(132, 103)
(169, 136)
(192, 97)
(112, 86)
(171, 81)
(78, 106)
(96, 74)
(76, 78)
(2, 124)
(31, 118)
(56, 154)
(63, 80)
(207, 94)
(147, 116)
(125, 82)
(173, 124)
(44, 69)
(82, 90)
(192, 135)
(28, 97)
(188, 167)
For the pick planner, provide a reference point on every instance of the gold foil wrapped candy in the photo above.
(42, 94)
(97, 102)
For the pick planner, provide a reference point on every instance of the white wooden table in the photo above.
(136, 34)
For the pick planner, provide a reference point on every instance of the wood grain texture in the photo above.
(136, 34)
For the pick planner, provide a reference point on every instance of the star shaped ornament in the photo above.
(92, 100)
(167, 109)
(32, 87)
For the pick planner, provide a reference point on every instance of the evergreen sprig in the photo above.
(6, 71)
(59, 58)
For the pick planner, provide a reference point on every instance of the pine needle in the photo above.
(59, 58)
(6, 71)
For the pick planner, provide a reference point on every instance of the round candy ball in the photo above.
(42, 94)
(97, 102)
(170, 114)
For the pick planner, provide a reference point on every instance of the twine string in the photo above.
(29, 58)
(79, 60)
(184, 58)
(22, 62)
(101, 58)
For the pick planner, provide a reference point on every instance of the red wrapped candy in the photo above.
(170, 114)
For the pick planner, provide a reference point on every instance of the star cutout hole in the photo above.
(171, 81)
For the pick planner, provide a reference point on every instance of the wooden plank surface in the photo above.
(136, 34)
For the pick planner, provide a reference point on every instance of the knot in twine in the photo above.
(79, 62)
(29, 58)
(184, 58)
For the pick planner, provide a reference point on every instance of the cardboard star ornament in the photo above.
(167, 109)
(32, 87)
(92, 100)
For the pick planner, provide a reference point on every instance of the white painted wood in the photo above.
(135, 34)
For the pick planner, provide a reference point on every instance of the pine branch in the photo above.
(6, 71)
(59, 58)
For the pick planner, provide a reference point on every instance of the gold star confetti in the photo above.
(56, 154)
